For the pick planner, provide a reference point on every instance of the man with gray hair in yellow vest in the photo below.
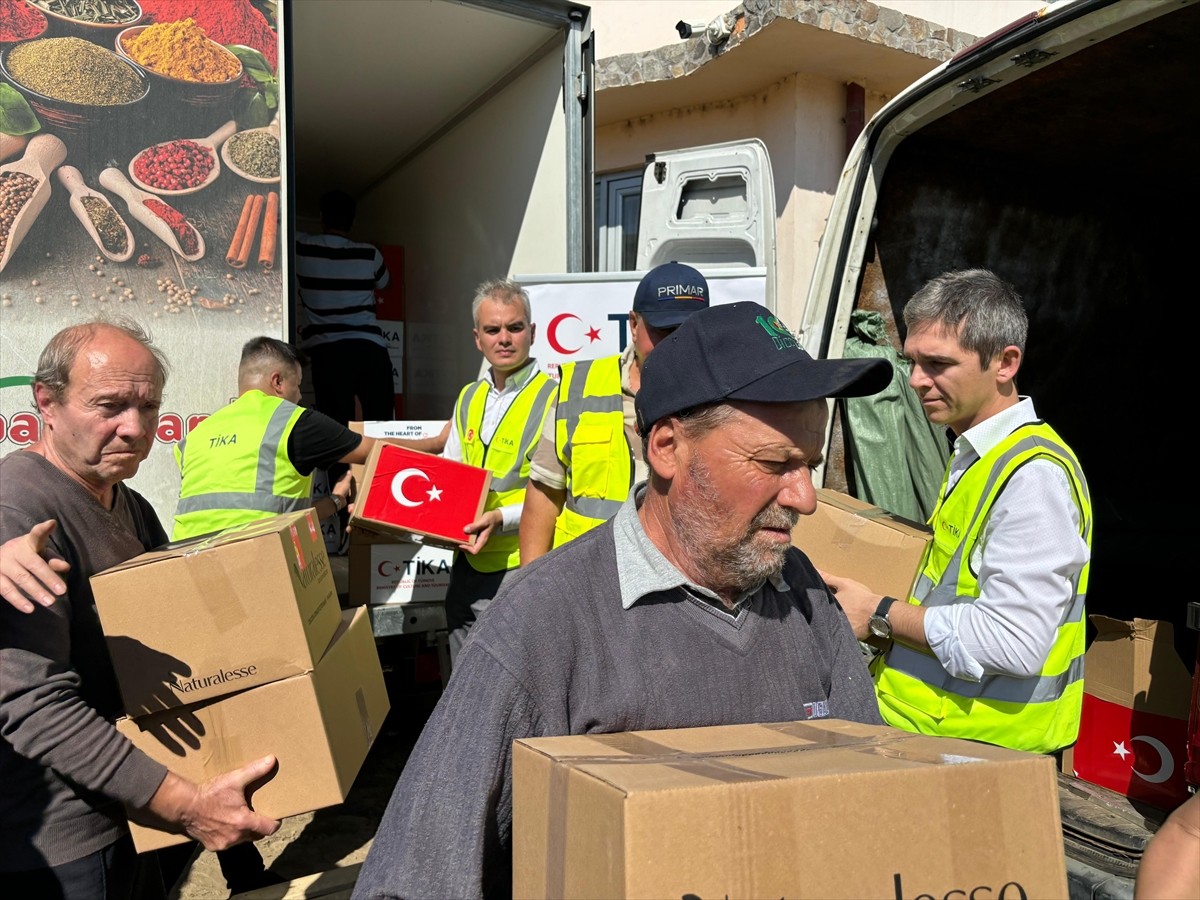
(590, 452)
(496, 424)
(990, 644)
(255, 457)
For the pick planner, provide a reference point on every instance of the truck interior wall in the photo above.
(486, 200)
(1087, 206)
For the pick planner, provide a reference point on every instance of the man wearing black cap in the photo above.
(689, 607)
(588, 456)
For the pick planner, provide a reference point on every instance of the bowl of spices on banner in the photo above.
(76, 87)
(182, 166)
(188, 65)
(254, 153)
(89, 18)
(20, 21)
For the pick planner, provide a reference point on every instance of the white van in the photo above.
(1060, 153)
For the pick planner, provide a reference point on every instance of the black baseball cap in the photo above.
(741, 351)
(669, 293)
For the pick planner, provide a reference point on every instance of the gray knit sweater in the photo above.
(64, 769)
(557, 654)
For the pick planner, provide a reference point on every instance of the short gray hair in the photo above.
(59, 355)
(696, 420)
(985, 311)
(502, 290)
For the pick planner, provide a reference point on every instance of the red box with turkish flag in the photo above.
(1136, 699)
(411, 494)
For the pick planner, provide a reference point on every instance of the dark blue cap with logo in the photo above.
(741, 351)
(669, 293)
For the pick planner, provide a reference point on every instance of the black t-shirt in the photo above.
(317, 442)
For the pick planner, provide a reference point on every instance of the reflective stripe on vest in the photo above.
(591, 443)
(506, 456)
(1039, 713)
(236, 469)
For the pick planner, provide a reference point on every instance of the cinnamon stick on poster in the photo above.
(240, 232)
(270, 233)
(251, 230)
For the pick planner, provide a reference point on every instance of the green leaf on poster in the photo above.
(253, 63)
(16, 117)
(254, 110)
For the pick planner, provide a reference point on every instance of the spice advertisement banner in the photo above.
(141, 176)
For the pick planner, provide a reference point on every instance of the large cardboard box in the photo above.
(384, 570)
(1136, 700)
(217, 614)
(319, 726)
(849, 537)
(405, 493)
(818, 809)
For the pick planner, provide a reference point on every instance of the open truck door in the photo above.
(1050, 154)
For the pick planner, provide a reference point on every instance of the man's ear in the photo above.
(1010, 362)
(44, 398)
(663, 448)
(276, 383)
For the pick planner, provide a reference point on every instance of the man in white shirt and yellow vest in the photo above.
(590, 452)
(496, 424)
(990, 645)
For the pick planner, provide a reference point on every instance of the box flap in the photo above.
(201, 543)
(1133, 663)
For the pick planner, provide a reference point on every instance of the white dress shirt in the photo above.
(1029, 551)
(495, 406)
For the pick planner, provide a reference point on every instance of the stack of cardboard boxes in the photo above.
(395, 558)
(233, 646)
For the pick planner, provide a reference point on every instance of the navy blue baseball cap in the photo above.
(669, 293)
(741, 351)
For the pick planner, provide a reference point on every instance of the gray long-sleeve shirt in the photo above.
(65, 771)
(558, 653)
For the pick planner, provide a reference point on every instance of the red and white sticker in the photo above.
(299, 550)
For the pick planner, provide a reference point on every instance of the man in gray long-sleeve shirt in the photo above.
(67, 777)
(689, 608)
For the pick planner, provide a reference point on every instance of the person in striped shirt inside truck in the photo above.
(337, 278)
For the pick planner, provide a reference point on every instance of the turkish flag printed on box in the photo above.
(1137, 754)
(405, 493)
(1133, 726)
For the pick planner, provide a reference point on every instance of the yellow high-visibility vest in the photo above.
(590, 438)
(235, 467)
(1039, 713)
(506, 456)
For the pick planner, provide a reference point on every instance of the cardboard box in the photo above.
(818, 809)
(405, 493)
(319, 725)
(1136, 700)
(220, 613)
(849, 537)
(410, 429)
(386, 571)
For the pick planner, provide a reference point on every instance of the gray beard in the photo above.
(733, 566)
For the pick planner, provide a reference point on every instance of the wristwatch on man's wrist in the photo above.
(339, 502)
(879, 625)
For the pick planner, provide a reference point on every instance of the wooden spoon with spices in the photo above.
(29, 175)
(179, 151)
(86, 204)
(251, 134)
(150, 210)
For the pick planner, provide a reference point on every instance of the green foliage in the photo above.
(255, 106)
(16, 117)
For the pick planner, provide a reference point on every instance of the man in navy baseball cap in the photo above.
(741, 351)
(668, 294)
